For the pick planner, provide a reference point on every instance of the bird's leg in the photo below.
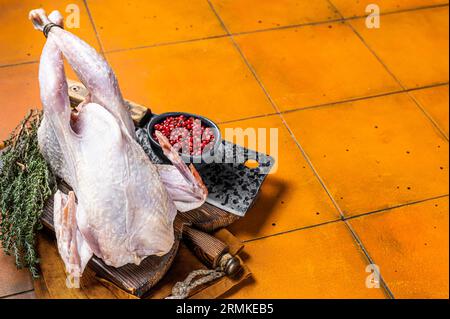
(74, 250)
(91, 68)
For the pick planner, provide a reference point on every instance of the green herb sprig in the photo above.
(26, 182)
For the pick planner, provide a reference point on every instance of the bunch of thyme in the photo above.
(26, 182)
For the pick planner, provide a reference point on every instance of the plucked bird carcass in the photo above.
(122, 206)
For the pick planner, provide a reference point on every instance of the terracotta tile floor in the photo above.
(362, 119)
(357, 8)
(425, 46)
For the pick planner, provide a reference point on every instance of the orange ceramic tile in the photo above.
(291, 197)
(357, 8)
(130, 24)
(410, 245)
(313, 65)
(375, 153)
(12, 281)
(413, 45)
(20, 42)
(435, 102)
(19, 92)
(204, 77)
(320, 262)
(250, 15)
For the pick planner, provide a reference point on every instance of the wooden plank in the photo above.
(53, 275)
(52, 271)
(93, 288)
(78, 93)
(138, 280)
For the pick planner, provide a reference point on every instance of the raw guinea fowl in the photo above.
(122, 206)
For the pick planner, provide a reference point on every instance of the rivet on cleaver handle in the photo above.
(211, 251)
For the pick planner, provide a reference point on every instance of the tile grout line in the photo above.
(222, 23)
(288, 26)
(404, 88)
(361, 245)
(277, 110)
(293, 230)
(427, 115)
(362, 98)
(164, 44)
(269, 97)
(312, 107)
(378, 211)
(91, 19)
(253, 71)
(369, 259)
(342, 19)
(244, 59)
(355, 237)
(351, 230)
(229, 34)
(370, 49)
(306, 157)
(382, 210)
(248, 118)
(236, 33)
(369, 97)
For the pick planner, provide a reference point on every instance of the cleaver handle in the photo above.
(211, 251)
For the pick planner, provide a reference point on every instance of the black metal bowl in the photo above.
(206, 157)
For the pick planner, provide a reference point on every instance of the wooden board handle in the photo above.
(208, 248)
(211, 251)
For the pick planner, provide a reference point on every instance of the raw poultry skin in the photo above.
(125, 205)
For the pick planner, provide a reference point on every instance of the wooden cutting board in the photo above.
(139, 280)
(51, 284)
